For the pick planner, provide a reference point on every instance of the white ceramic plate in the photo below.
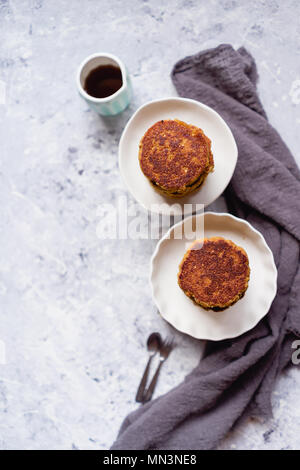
(182, 312)
(192, 112)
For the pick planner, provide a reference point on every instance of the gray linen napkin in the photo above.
(236, 377)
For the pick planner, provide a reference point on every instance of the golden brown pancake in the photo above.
(214, 272)
(176, 157)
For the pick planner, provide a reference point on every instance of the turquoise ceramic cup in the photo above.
(110, 105)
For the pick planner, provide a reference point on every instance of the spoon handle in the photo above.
(149, 392)
(141, 389)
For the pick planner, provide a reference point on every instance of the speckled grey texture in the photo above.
(75, 349)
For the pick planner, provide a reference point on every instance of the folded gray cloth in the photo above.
(236, 377)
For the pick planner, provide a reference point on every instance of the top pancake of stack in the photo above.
(176, 157)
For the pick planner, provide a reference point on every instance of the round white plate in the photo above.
(182, 312)
(192, 112)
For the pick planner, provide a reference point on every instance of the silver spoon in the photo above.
(165, 350)
(153, 345)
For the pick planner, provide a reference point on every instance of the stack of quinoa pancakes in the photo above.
(214, 273)
(175, 157)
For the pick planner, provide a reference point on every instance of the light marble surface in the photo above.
(76, 310)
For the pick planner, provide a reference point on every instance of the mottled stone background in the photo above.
(76, 310)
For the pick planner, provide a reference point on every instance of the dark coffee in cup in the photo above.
(103, 81)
